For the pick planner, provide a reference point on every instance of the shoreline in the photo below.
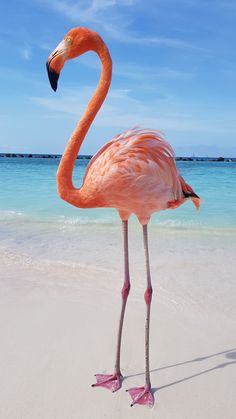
(72, 225)
(185, 264)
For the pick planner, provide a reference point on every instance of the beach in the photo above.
(61, 275)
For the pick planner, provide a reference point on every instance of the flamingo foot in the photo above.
(110, 381)
(141, 395)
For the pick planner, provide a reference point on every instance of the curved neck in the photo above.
(66, 189)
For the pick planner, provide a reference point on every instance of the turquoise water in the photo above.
(28, 195)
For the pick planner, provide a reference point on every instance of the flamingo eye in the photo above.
(69, 40)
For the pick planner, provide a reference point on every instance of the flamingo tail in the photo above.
(188, 192)
(194, 198)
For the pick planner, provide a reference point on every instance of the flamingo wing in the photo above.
(135, 172)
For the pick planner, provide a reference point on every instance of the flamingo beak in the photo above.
(55, 63)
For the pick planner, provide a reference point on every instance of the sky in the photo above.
(174, 70)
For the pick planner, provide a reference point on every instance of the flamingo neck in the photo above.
(66, 189)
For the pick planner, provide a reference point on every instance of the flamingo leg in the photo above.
(143, 395)
(113, 381)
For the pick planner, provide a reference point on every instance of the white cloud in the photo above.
(105, 14)
(45, 46)
(137, 71)
(123, 35)
(121, 111)
(77, 11)
(26, 52)
(143, 72)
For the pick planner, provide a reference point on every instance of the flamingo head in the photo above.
(76, 42)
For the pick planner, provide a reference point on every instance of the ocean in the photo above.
(37, 226)
(29, 195)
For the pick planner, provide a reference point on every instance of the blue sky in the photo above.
(174, 69)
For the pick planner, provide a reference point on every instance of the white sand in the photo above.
(58, 327)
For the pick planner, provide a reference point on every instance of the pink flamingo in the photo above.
(135, 173)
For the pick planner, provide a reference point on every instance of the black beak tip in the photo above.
(53, 77)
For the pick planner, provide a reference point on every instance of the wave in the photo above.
(19, 219)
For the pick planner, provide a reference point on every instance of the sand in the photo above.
(58, 321)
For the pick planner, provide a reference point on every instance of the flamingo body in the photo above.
(136, 173)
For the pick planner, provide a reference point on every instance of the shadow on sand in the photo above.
(229, 354)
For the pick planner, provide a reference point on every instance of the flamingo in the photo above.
(135, 173)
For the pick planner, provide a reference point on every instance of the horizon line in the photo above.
(89, 156)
